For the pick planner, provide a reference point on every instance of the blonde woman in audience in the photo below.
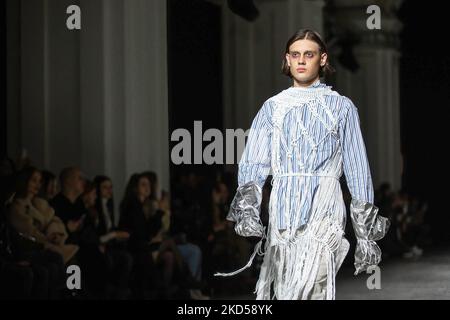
(35, 219)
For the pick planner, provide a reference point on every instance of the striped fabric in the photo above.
(312, 131)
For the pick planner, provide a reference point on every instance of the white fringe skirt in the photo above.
(306, 266)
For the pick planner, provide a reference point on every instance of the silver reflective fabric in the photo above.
(369, 227)
(245, 210)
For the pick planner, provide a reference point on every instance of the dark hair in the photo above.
(130, 201)
(307, 34)
(47, 177)
(22, 179)
(98, 180)
(89, 186)
(131, 190)
(153, 178)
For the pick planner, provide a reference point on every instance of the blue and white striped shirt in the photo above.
(307, 127)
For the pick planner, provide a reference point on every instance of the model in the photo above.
(306, 137)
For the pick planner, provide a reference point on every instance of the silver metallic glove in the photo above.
(369, 227)
(245, 210)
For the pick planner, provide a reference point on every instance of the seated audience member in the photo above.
(159, 266)
(190, 253)
(228, 251)
(49, 186)
(67, 204)
(33, 217)
(29, 244)
(17, 278)
(112, 270)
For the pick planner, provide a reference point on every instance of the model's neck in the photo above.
(298, 84)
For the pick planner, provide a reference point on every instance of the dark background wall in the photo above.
(425, 96)
(3, 81)
(195, 71)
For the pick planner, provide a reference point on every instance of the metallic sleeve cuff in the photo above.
(245, 210)
(368, 225)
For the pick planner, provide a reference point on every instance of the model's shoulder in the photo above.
(268, 107)
(349, 105)
(343, 101)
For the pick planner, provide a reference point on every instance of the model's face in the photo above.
(106, 189)
(304, 61)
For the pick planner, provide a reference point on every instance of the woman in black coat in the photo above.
(159, 268)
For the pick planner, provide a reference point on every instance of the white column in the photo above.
(34, 80)
(146, 93)
(114, 97)
(374, 87)
(63, 90)
(13, 119)
(124, 109)
(92, 80)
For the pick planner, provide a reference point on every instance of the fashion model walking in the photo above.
(306, 136)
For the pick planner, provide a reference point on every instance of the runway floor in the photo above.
(427, 278)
